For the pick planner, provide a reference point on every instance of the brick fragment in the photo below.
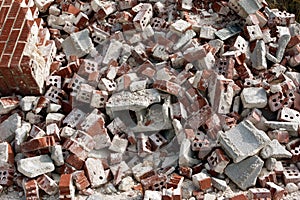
(202, 180)
(66, 187)
(47, 184)
(81, 181)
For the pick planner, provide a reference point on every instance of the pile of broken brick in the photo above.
(175, 99)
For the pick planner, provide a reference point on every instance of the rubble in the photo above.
(153, 99)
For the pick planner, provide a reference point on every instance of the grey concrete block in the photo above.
(35, 166)
(245, 173)
(243, 141)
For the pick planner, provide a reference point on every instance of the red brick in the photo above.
(14, 10)
(25, 33)
(17, 56)
(2, 45)
(6, 29)
(7, 2)
(11, 43)
(20, 18)
(4, 61)
(2, 83)
(3, 14)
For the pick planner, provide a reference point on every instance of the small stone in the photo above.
(126, 184)
(291, 187)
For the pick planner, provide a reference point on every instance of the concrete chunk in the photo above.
(9, 126)
(243, 140)
(254, 97)
(35, 166)
(275, 150)
(245, 173)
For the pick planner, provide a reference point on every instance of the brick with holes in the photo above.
(47, 184)
(143, 16)
(66, 187)
(240, 44)
(6, 175)
(80, 180)
(95, 172)
(143, 145)
(275, 101)
(31, 189)
(74, 118)
(107, 85)
(54, 94)
(155, 182)
(218, 161)
(225, 67)
(87, 67)
(54, 81)
(253, 33)
(85, 93)
(289, 115)
(157, 140)
(294, 147)
(291, 175)
(75, 83)
(259, 193)
(202, 181)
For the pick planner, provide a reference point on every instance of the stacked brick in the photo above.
(23, 67)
